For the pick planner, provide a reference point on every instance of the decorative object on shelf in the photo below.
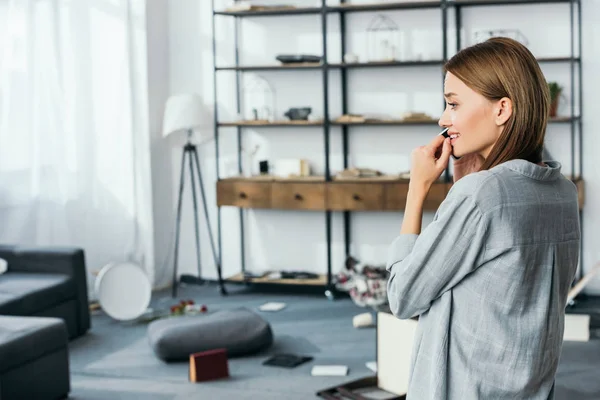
(291, 167)
(258, 100)
(352, 173)
(248, 160)
(183, 113)
(350, 58)
(247, 6)
(416, 116)
(298, 58)
(298, 113)
(382, 39)
(483, 35)
(350, 118)
(276, 275)
(366, 284)
(361, 118)
(555, 92)
(263, 167)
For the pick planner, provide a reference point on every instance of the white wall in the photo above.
(296, 240)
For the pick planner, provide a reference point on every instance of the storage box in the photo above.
(395, 339)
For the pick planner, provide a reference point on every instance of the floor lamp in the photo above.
(183, 113)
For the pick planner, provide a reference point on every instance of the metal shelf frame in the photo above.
(573, 60)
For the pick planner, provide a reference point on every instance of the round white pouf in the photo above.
(123, 290)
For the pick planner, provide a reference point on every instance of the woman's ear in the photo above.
(503, 111)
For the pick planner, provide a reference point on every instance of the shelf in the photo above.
(313, 66)
(271, 124)
(557, 59)
(474, 3)
(385, 6)
(239, 278)
(346, 8)
(280, 124)
(274, 11)
(373, 64)
(291, 67)
(382, 64)
(386, 123)
(272, 178)
(561, 120)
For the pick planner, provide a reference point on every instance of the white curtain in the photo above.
(74, 141)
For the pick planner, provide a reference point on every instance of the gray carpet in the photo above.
(114, 360)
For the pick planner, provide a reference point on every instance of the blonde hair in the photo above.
(502, 67)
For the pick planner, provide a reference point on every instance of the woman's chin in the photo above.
(457, 153)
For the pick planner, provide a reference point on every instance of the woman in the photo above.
(489, 276)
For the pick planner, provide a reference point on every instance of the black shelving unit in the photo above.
(445, 6)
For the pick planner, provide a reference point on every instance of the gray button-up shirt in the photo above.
(489, 278)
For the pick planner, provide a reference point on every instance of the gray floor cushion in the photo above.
(239, 331)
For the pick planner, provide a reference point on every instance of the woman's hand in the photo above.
(428, 162)
(467, 164)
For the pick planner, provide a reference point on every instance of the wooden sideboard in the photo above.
(346, 195)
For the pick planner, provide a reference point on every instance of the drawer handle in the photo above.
(243, 195)
(298, 196)
(356, 197)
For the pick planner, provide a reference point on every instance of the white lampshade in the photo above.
(183, 112)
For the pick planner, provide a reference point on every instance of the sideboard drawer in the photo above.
(395, 196)
(244, 194)
(298, 196)
(354, 196)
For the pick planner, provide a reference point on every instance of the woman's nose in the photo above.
(444, 121)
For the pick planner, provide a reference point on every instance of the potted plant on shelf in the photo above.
(555, 92)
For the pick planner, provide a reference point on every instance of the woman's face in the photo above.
(470, 116)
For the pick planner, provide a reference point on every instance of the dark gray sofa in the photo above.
(34, 358)
(46, 282)
(43, 304)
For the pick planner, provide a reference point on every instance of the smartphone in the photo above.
(445, 134)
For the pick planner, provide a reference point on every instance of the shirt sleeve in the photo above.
(423, 267)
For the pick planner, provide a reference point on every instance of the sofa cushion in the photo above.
(239, 331)
(24, 293)
(24, 339)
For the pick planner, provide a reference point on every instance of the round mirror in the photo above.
(123, 290)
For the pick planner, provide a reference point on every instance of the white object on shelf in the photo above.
(123, 290)
(272, 306)
(329, 370)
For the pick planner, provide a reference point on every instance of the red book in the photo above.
(209, 365)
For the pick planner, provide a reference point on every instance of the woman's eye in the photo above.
(452, 105)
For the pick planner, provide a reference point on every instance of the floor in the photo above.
(115, 361)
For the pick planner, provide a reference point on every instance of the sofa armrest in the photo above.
(68, 261)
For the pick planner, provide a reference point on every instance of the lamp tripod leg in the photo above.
(212, 242)
(192, 150)
(178, 225)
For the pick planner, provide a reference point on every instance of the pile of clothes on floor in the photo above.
(366, 284)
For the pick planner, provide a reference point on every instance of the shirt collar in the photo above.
(550, 171)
